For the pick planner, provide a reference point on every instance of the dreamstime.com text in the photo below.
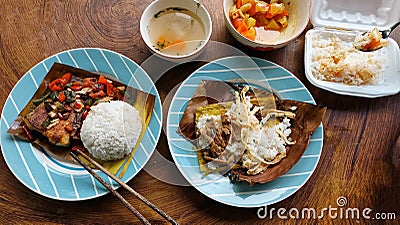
(339, 212)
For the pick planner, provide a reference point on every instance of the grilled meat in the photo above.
(218, 137)
(59, 134)
(35, 119)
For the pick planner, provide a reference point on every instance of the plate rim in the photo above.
(180, 168)
(156, 136)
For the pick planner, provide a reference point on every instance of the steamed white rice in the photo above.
(111, 130)
(335, 60)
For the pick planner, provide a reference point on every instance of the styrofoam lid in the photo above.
(360, 15)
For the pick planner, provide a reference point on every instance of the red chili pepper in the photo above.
(99, 94)
(84, 114)
(78, 147)
(102, 80)
(110, 91)
(66, 78)
(58, 84)
(27, 132)
(77, 105)
(55, 85)
(60, 116)
(88, 82)
(87, 107)
(61, 97)
(76, 87)
(76, 83)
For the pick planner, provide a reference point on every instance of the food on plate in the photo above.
(176, 31)
(338, 61)
(111, 130)
(369, 41)
(245, 132)
(54, 117)
(257, 20)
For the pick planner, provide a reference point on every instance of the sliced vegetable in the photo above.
(76, 87)
(69, 127)
(239, 3)
(250, 34)
(247, 14)
(46, 123)
(89, 82)
(65, 78)
(84, 114)
(40, 100)
(61, 96)
(99, 94)
(109, 90)
(27, 132)
(102, 80)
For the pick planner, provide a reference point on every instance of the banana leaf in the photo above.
(308, 118)
(143, 102)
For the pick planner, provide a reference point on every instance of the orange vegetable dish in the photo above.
(248, 14)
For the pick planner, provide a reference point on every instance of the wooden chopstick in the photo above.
(115, 193)
(131, 190)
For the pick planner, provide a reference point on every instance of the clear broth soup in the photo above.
(176, 31)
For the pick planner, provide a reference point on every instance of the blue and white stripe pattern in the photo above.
(260, 73)
(35, 168)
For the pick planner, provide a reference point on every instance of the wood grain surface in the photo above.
(360, 158)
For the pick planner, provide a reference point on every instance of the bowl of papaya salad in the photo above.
(266, 24)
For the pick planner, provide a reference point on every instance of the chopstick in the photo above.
(115, 193)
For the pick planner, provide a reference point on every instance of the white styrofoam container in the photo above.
(345, 19)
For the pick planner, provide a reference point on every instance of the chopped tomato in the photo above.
(61, 97)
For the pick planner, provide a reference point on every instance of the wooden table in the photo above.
(360, 158)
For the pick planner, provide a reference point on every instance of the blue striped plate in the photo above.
(260, 73)
(35, 168)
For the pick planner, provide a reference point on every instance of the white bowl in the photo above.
(298, 20)
(191, 5)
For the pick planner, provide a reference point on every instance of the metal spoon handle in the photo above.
(386, 33)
